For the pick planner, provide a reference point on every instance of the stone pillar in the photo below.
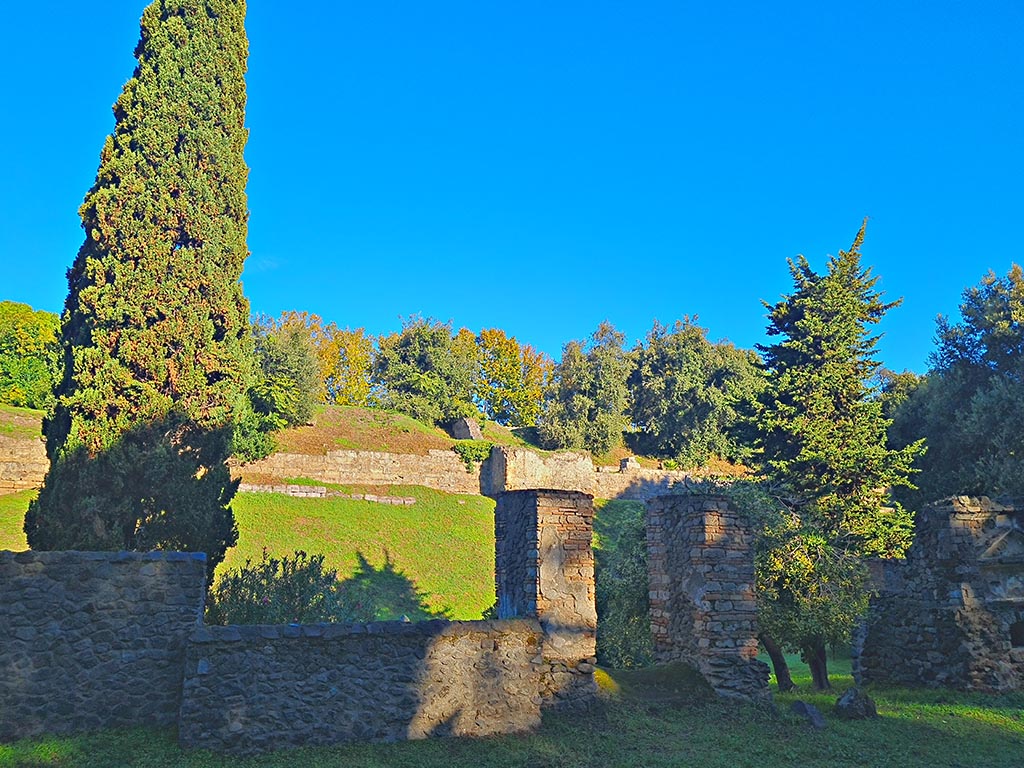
(545, 569)
(703, 610)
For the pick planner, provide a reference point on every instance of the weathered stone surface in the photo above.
(808, 712)
(517, 469)
(703, 611)
(854, 704)
(252, 689)
(94, 640)
(23, 463)
(465, 429)
(952, 613)
(441, 470)
(545, 569)
(508, 469)
(322, 492)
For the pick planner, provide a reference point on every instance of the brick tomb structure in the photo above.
(952, 613)
(703, 609)
(545, 569)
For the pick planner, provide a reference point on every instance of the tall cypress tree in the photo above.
(157, 349)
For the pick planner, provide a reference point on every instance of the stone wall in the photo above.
(703, 609)
(251, 689)
(322, 492)
(508, 469)
(440, 470)
(101, 640)
(23, 464)
(516, 469)
(545, 569)
(952, 613)
(94, 639)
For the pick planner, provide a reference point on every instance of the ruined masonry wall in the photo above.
(440, 470)
(23, 464)
(545, 569)
(252, 689)
(101, 640)
(94, 640)
(703, 609)
(950, 613)
(508, 469)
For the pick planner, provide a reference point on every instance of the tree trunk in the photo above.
(817, 659)
(782, 676)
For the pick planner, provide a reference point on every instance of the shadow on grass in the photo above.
(635, 726)
(384, 593)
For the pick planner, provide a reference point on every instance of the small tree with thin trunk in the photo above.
(822, 440)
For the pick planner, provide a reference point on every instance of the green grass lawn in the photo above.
(12, 518)
(21, 423)
(443, 543)
(656, 718)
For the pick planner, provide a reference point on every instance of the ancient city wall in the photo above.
(952, 613)
(508, 469)
(23, 464)
(94, 639)
(252, 689)
(440, 470)
(703, 609)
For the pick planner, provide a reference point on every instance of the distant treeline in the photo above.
(676, 396)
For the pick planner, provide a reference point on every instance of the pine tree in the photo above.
(156, 342)
(823, 444)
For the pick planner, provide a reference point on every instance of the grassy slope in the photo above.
(443, 543)
(370, 429)
(649, 718)
(21, 423)
(12, 518)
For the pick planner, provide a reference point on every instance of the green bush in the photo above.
(298, 589)
(473, 451)
(278, 591)
(623, 622)
(253, 437)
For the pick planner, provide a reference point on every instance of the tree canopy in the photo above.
(155, 331)
(685, 394)
(512, 378)
(427, 372)
(585, 403)
(288, 382)
(970, 406)
(822, 441)
(29, 355)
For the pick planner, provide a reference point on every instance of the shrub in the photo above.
(253, 437)
(473, 451)
(623, 622)
(278, 591)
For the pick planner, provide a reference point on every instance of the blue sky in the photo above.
(543, 166)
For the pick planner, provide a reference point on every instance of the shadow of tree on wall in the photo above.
(384, 593)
